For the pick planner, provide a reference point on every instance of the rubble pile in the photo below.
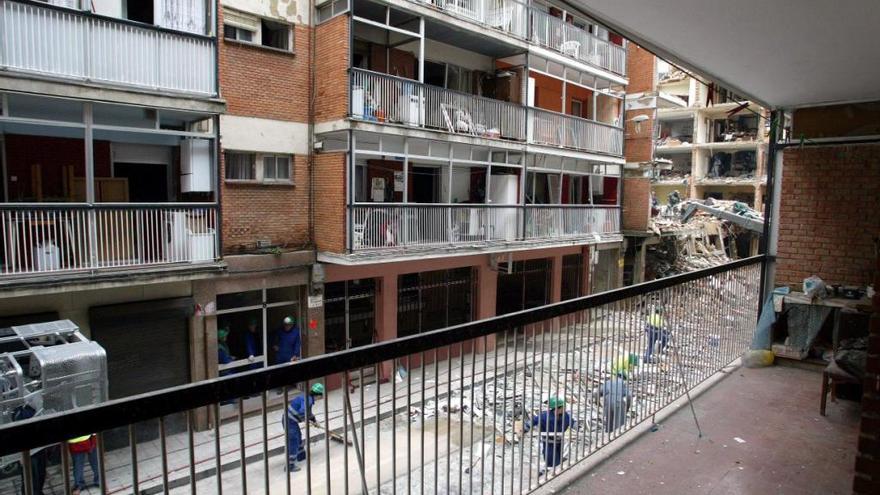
(701, 241)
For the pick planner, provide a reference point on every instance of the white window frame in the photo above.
(253, 23)
(259, 168)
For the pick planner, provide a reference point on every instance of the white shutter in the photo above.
(181, 15)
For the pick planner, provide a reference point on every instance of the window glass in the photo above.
(282, 167)
(240, 166)
(236, 33)
(268, 167)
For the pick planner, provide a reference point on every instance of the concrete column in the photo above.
(639, 264)
(556, 279)
(314, 326)
(386, 316)
(585, 274)
(487, 280)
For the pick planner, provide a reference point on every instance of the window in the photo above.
(236, 33)
(240, 166)
(275, 35)
(276, 168)
(332, 9)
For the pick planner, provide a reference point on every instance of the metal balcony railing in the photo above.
(70, 44)
(449, 419)
(58, 238)
(381, 226)
(554, 33)
(559, 222)
(509, 16)
(382, 98)
(556, 129)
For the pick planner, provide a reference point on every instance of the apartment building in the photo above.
(686, 139)
(371, 169)
(469, 163)
(705, 142)
(109, 121)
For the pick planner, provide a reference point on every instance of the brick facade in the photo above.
(867, 478)
(330, 195)
(331, 69)
(636, 203)
(639, 136)
(277, 213)
(641, 69)
(266, 83)
(828, 214)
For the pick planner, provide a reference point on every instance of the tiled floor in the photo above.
(784, 445)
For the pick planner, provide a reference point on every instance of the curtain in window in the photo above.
(182, 15)
(239, 166)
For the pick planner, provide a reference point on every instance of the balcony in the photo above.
(556, 129)
(554, 33)
(545, 30)
(401, 226)
(42, 239)
(75, 45)
(381, 98)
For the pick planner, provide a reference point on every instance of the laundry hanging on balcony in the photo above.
(182, 15)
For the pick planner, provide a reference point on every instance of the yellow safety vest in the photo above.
(655, 320)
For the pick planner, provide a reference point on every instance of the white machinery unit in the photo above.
(48, 368)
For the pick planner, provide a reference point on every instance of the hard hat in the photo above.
(554, 402)
(288, 320)
(317, 389)
(222, 333)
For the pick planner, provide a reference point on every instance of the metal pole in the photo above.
(357, 445)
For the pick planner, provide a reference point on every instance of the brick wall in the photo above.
(277, 213)
(636, 203)
(867, 478)
(331, 69)
(641, 68)
(330, 196)
(639, 136)
(265, 83)
(828, 214)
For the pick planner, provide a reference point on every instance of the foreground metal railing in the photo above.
(388, 99)
(557, 129)
(48, 40)
(451, 417)
(52, 238)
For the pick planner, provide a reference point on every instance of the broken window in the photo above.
(275, 35)
(740, 164)
(736, 129)
(675, 132)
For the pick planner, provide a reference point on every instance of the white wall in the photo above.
(111, 8)
(294, 11)
(263, 135)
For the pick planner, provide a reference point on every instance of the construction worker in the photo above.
(287, 343)
(656, 329)
(616, 401)
(252, 343)
(622, 365)
(81, 449)
(223, 354)
(299, 410)
(552, 425)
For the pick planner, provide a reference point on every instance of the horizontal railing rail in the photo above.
(406, 225)
(452, 417)
(388, 99)
(554, 33)
(557, 129)
(49, 40)
(57, 238)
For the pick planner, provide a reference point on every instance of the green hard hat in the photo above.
(554, 402)
(317, 389)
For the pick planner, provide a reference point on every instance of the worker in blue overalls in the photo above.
(552, 425)
(288, 342)
(299, 410)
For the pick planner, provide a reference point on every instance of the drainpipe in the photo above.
(311, 140)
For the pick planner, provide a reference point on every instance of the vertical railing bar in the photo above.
(218, 465)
